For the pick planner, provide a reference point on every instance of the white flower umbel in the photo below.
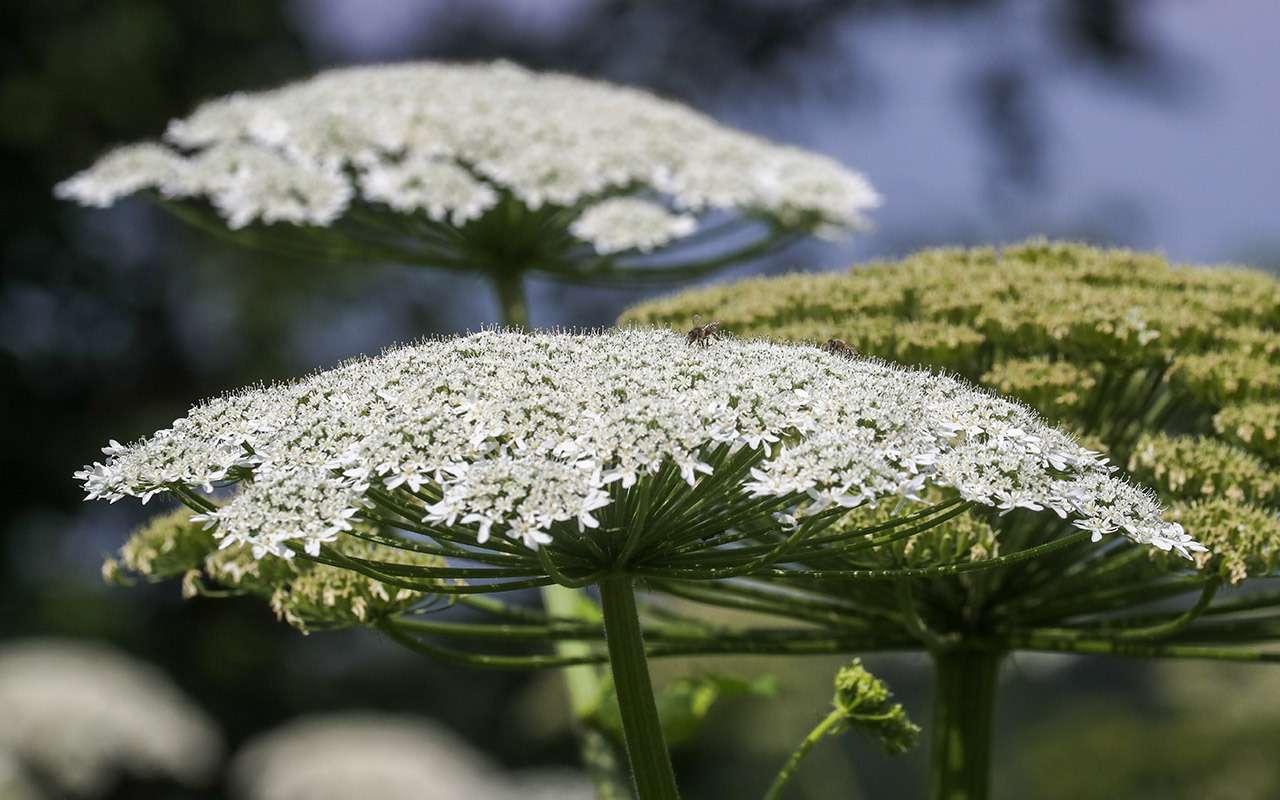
(552, 162)
(600, 443)
(80, 714)
(343, 756)
(545, 138)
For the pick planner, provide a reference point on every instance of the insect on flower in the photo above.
(837, 347)
(702, 334)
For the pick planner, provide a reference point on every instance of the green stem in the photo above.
(511, 301)
(793, 763)
(902, 572)
(962, 716)
(1156, 630)
(585, 688)
(641, 727)
(914, 622)
(1034, 639)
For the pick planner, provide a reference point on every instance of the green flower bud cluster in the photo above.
(1243, 540)
(327, 596)
(865, 702)
(1225, 493)
(166, 546)
(1220, 378)
(306, 594)
(1058, 385)
(966, 537)
(1037, 299)
(1201, 467)
(1255, 426)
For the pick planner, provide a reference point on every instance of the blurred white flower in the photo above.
(80, 714)
(526, 435)
(358, 754)
(452, 139)
(629, 223)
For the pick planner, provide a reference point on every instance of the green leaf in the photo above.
(684, 704)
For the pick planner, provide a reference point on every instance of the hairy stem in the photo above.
(641, 727)
(793, 763)
(962, 715)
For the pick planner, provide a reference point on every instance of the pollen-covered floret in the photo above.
(452, 139)
(524, 436)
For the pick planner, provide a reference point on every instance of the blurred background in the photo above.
(1147, 124)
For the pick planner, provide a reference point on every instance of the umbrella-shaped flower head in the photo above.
(485, 166)
(600, 443)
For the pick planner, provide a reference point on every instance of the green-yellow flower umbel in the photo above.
(1174, 371)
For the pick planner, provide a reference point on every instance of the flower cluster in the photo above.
(1224, 377)
(1202, 467)
(864, 701)
(307, 595)
(451, 140)
(1055, 386)
(1034, 300)
(1117, 346)
(1255, 426)
(1242, 541)
(80, 714)
(364, 754)
(966, 537)
(535, 436)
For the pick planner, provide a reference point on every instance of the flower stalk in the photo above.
(642, 728)
(963, 708)
(511, 299)
(826, 727)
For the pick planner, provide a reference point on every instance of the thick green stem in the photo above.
(511, 301)
(962, 716)
(585, 689)
(641, 727)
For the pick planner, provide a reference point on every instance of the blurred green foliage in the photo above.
(1211, 734)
